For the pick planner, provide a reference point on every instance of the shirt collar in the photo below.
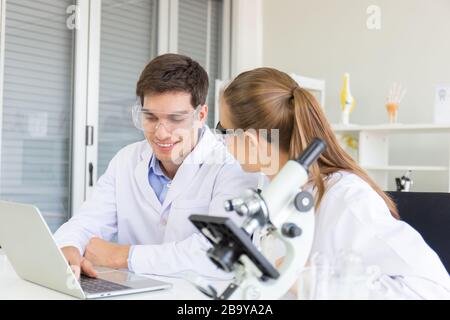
(208, 146)
(155, 167)
(154, 164)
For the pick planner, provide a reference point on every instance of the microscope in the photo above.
(404, 183)
(281, 210)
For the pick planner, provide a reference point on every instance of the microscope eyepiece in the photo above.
(312, 153)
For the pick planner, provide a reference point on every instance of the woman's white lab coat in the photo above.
(124, 206)
(353, 217)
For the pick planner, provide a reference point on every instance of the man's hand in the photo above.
(107, 254)
(77, 263)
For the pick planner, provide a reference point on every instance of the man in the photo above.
(151, 187)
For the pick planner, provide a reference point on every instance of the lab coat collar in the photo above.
(208, 148)
(141, 176)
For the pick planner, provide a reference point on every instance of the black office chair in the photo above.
(429, 214)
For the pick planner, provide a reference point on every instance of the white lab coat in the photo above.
(124, 206)
(353, 217)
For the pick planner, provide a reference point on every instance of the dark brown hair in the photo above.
(174, 73)
(266, 98)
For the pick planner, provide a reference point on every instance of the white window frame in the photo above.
(226, 40)
(80, 80)
(85, 104)
(2, 69)
(93, 95)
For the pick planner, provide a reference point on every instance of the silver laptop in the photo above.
(34, 255)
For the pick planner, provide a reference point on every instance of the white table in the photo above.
(13, 287)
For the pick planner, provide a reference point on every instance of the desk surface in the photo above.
(13, 287)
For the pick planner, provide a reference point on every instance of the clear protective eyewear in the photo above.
(221, 130)
(224, 135)
(227, 136)
(149, 121)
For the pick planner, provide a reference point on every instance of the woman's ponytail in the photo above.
(266, 98)
(300, 140)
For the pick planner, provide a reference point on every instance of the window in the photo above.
(37, 107)
(200, 37)
(128, 42)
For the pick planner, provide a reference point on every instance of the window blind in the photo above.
(200, 37)
(128, 42)
(37, 107)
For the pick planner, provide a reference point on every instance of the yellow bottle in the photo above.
(347, 100)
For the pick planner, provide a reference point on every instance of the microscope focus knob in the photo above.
(228, 205)
(291, 230)
(238, 205)
(243, 210)
(304, 201)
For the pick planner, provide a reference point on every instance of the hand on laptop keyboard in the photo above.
(77, 263)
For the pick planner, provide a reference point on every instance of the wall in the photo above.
(326, 38)
(246, 44)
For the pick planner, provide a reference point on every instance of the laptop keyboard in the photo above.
(96, 285)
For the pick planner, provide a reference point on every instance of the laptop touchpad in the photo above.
(128, 279)
(119, 277)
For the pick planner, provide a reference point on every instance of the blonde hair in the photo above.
(266, 98)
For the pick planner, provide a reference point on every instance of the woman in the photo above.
(352, 212)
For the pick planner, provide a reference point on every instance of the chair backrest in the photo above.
(429, 214)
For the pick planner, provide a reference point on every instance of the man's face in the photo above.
(172, 125)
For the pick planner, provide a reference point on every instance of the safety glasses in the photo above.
(227, 135)
(149, 121)
(220, 129)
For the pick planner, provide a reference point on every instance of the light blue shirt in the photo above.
(158, 180)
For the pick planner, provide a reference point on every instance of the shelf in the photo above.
(373, 150)
(406, 168)
(393, 128)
